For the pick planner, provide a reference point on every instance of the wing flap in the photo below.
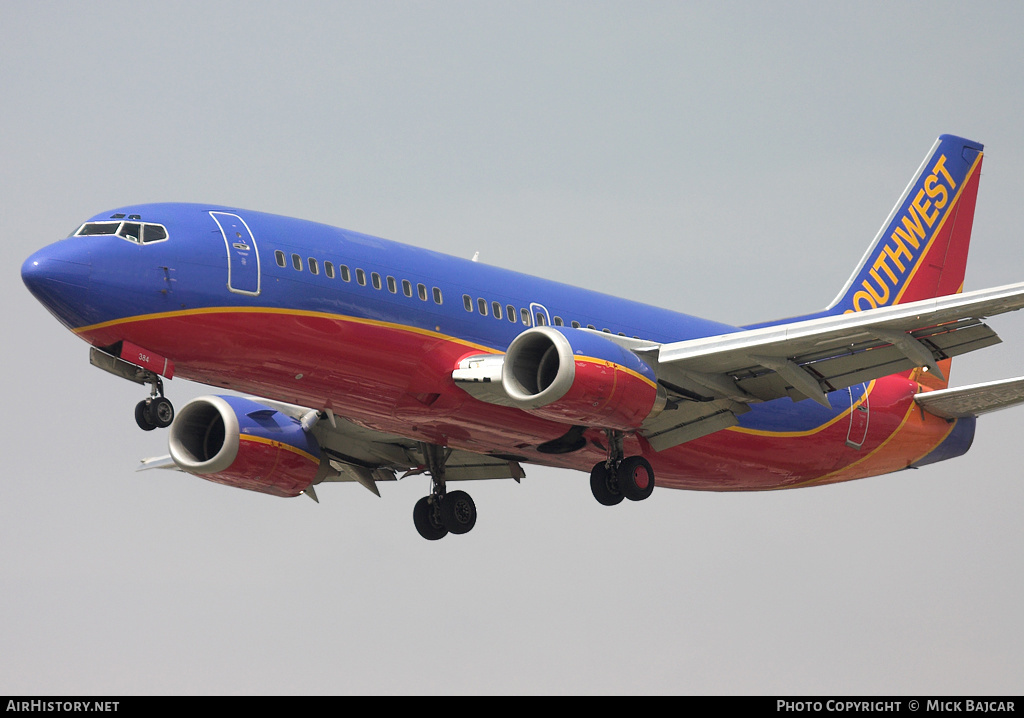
(689, 421)
(973, 400)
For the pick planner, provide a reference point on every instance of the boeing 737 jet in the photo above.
(354, 358)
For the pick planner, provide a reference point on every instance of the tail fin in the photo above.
(921, 250)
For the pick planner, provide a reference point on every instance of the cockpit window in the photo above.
(153, 233)
(138, 232)
(98, 228)
(130, 231)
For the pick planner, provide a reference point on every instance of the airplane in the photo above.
(351, 358)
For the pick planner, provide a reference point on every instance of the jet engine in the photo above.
(238, 442)
(580, 378)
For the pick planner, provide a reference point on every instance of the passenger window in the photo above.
(314, 268)
(407, 287)
(591, 326)
(279, 258)
(297, 262)
(481, 304)
(130, 231)
(558, 321)
(575, 324)
(467, 302)
(422, 289)
(343, 270)
(510, 311)
(361, 277)
(375, 278)
(392, 285)
(329, 270)
(525, 313)
(496, 309)
(542, 320)
(153, 233)
(438, 299)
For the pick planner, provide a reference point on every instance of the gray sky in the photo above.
(731, 160)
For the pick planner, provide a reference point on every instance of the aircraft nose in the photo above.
(58, 276)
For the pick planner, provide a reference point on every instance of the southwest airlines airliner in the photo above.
(354, 358)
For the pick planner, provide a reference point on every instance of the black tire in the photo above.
(142, 416)
(428, 521)
(604, 486)
(458, 512)
(636, 478)
(160, 412)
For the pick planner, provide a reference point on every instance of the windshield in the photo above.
(98, 228)
(138, 232)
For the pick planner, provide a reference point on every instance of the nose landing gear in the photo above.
(156, 412)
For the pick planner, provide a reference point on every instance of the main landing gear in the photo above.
(620, 477)
(156, 411)
(442, 512)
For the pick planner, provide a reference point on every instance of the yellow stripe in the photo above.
(942, 222)
(333, 317)
(910, 410)
(808, 432)
(605, 362)
(287, 312)
(280, 445)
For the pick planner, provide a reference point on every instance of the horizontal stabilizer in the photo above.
(973, 400)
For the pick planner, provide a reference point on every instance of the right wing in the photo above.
(366, 456)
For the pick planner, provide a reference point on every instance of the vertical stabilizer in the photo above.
(921, 250)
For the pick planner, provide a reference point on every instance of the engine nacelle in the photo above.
(577, 377)
(239, 442)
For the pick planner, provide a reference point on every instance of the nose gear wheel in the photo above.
(156, 412)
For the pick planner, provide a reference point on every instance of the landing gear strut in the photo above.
(156, 411)
(442, 512)
(621, 477)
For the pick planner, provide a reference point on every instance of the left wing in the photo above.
(706, 383)
(712, 380)
(807, 359)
